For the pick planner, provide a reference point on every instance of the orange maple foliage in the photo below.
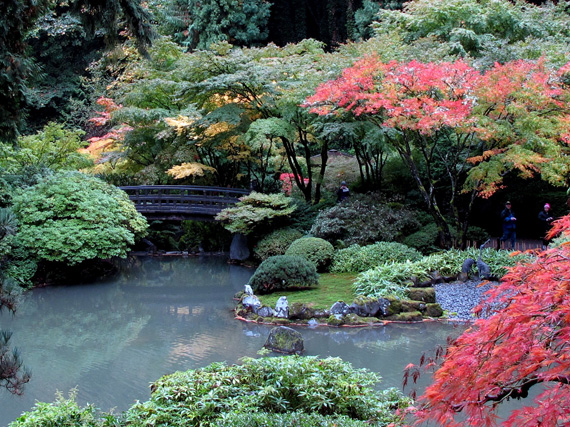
(98, 145)
(413, 95)
(518, 111)
(524, 343)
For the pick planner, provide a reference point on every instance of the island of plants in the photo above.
(359, 285)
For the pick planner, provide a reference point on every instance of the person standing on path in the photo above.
(343, 192)
(545, 219)
(509, 225)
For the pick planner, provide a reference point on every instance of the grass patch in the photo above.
(332, 287)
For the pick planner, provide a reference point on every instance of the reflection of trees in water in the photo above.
(183, 271)
(84, 326)
(395, 336)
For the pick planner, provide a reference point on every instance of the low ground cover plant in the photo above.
(314, 249)
(332, 287)
(395, 278)
(283, 271)
(358, 258)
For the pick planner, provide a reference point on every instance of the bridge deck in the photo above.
(178, 202)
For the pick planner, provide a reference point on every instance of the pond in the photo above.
(112, 338)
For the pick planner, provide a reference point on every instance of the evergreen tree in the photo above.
(19, 17)
(12, 374)
(197, 24)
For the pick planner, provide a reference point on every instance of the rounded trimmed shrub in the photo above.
(314, 249)
(276, 243)
(283, 271)
(357, 258)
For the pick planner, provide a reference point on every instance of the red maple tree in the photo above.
(475, 126)
(427, 110)
(525, 342)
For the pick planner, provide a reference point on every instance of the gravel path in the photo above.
(459, 298)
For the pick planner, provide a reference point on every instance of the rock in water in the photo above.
(285, 340)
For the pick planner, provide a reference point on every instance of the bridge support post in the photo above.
(239, 250)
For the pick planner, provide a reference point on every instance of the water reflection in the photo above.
(111, 339)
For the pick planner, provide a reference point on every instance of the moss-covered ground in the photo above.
(332, 287)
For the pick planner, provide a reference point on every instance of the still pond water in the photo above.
(112, 338)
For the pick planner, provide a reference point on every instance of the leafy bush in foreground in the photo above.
(361, 258)
(61, 413)
(293, 419)
(394, 278)
(276, 243)
(316, 250)
(287, 391)
(328, 388)
(283, 271)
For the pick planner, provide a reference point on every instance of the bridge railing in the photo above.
(180, 199)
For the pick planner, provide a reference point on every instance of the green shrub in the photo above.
(256, 211)
(328, 389)
(393, 279)
(62, 413)
(283, 271)
(288, 419)
(423, 240)
(72, 217)
(364, 220)
(448, 263)
(390, 279)
(357, 258)
(314, 249)
(276, 243)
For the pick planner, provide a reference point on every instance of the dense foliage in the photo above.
(282, 272)
(54, 147)
(276, 243)
(71, 217)
(329, 387)
(361, 258)
(63, 412)
(363, 220)
(276, 391)
(395, 277)
(199, 24)
(314, 249)
(470, 96)
(448, 116)
(256, 211)
(523, 344)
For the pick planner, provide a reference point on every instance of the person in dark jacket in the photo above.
(545, 219)
(343, 193)
(509, 225)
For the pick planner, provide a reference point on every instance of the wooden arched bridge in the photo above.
(182, 202)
